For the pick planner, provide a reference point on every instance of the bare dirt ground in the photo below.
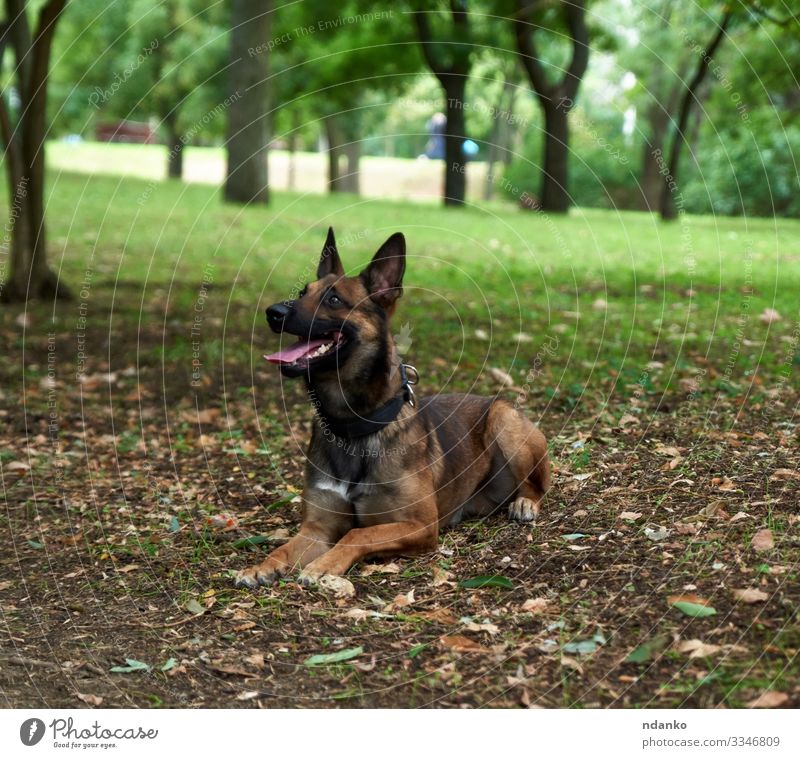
(662, 571)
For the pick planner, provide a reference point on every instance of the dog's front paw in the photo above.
(255, 575)
(523, 509)
(309, 576)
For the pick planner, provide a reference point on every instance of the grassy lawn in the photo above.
(649, 355)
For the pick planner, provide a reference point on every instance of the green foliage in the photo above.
(138, 61)
(363, 62)
(750, 171)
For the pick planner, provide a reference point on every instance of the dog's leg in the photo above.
(524, 449)
(326, 518)
(401, 537)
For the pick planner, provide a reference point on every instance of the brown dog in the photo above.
(384, 474)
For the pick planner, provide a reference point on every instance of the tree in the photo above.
(340, 70)
(248, 115)
(186, 64)
(29, 275)
(165, 60)
(667, 206)
(659, 62)
(556, 98)
(447, 53)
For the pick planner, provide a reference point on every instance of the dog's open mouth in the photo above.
(305, 352)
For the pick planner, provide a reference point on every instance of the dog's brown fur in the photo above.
(450, 457)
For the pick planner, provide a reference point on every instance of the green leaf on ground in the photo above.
(584, 647)
(648, 649)
(694, 609)
(341, 655)
(194, 607)
(258, 539)
(133, 665)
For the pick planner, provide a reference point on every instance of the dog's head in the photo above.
(341, 322)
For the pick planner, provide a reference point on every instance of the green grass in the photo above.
(675, 293)
(491, 269)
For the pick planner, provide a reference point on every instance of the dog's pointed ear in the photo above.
(329, 262)
(383, 278)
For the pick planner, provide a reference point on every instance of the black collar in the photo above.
(379, 419)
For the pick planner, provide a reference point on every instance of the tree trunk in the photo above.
(498, 139)
(291, 179)
(336, 182)
(29, 276)
(455, 164)
(557, 100)
(508, 133)
(669, 211)
(352, 151)
(248, 127)
(452, 75)
(555, 193)
(175, 147)
(651, 181)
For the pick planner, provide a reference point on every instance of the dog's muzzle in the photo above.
(277, 315)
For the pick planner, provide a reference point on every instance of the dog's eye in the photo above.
(333, 300)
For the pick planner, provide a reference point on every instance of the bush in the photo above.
(601, 171)
(752, 171)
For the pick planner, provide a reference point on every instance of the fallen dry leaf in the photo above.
(380, 568)
(441, 576)
(723, 483)
(256, 659)
(502, 377)
(206, 416)
(535, 605)
(698, 648)
(571, 663)
(656, 535)
(337, 585)
(769, 316)
(750, 595)
(359, 614)
(784, 473)
(439, 616)
(630, 515)
(492, 629)
(89, 699)
(690, 598)
(762, 540)
(458, 643)
(400, 601)
(769, 699)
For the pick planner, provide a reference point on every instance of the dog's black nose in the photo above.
(277, 314)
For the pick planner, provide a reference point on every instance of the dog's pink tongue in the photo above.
(295, 352)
